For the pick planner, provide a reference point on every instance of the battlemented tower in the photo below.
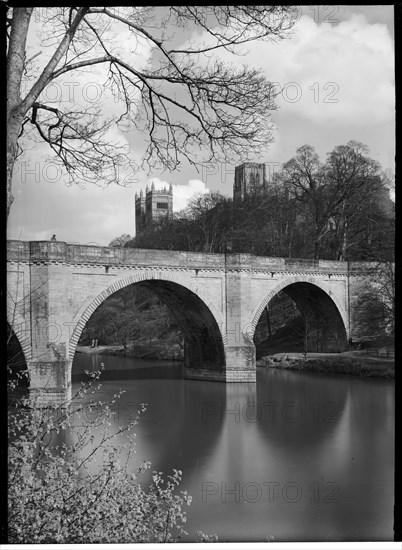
(152, 206)
(250, 179)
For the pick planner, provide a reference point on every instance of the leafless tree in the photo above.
(376, 304)
(187, 101)
(120, 241)
(331, 191)
(205, 210)
(353, 181)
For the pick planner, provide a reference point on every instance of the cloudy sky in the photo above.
(337, 77)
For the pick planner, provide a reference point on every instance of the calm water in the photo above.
(298, 456)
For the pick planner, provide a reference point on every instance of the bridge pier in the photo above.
(240, 367)
(240, 363)
(49, 382)
(240, 349)
(54, 288)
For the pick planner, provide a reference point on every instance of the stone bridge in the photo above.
(217, 299)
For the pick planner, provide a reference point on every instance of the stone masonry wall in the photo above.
(71, 281)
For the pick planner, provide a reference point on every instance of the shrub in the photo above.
(80, 488)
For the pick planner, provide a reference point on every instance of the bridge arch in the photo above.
(199, 319)
(17, 364)
(22, 333)
(305, 291)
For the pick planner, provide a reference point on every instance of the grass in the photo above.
(349, 362)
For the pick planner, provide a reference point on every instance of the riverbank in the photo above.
(349, 362)
(140, 351)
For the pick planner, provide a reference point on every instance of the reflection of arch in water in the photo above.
(359, 457)
(180, 427)
(253, 452)
(300, 407)
(194, 423)
(338, 448)
(326, 315)
(199, 320)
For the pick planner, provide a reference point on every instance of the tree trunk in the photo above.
(15, 68)
(316, 249)
(344, 241)
(17, 108)
(343, 224)
(13, 131)
(268, 322)
(305, 336)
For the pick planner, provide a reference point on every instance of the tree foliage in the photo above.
(135, 318)
(284, 325)
(72, 478)
(336, 210)
(185, 100)
(339, 209)
(376, 304)
(332, 192)
(120, 241)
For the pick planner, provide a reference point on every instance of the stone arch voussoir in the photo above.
(91, 305)
(23, 334)
(289, 281)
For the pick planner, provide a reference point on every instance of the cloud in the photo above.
(338, 74)
(356, 54)
(44, 205)
(337, 81)
(182, 194)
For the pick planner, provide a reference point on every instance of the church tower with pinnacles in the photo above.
(152, 205)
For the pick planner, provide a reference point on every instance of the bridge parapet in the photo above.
(59, 251)
(256, 263)
(363, 267)
(18, 251)
(218, 298)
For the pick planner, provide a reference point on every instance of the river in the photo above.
(296, 457)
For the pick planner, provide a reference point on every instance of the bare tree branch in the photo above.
(186, 102)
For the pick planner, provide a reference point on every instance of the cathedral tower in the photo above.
(250, 179)
(155, 204)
